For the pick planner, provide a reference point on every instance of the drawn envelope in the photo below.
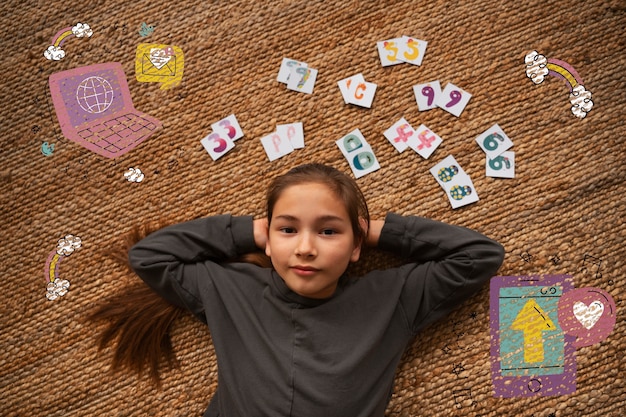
(159, 63)
(158, 67)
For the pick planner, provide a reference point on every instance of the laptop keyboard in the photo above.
(119, 133)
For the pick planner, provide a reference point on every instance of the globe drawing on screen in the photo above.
(94, 94)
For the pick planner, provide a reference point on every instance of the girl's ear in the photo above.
(356, 252)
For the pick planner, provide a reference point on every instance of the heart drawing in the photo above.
(159, 57)
(588, 315)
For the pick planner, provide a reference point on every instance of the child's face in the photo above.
(311, 241)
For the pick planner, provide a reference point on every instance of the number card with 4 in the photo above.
(426, 141)
(455, 182)
(400, 134)
(453, 99)
(358, 153)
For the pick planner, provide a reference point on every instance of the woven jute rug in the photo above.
(562, 213)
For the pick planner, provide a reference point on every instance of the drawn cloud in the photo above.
(80, 30)
(54, 53)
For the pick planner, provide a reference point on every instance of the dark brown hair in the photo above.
(141, 320)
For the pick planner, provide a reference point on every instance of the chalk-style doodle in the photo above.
(47, 149)
(555, 259)
(134, 175)
(159, 63)
(95, 110)
(463, 398)
(526, 256)
(358, 153)
(590, 261)
(57, 287)
(54, 52)
(146, 30)
(588, 314)
(531, 353)
(538, 67)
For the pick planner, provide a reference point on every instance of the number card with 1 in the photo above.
(455, 182)
(453, 99)
(358, 153)
(426, 141)
(502, 166)
(426, 95)
(400, 134)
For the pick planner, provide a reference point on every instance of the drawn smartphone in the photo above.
(530, 353)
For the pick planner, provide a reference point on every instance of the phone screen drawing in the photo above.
(531, 355)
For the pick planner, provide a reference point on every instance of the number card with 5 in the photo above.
(358, 153)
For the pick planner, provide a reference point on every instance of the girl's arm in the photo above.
(447, 264)
(177, 259)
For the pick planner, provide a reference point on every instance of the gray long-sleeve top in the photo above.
(281, 354)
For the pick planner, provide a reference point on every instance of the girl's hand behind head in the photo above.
(260, 227)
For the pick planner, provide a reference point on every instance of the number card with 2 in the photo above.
(530, 353)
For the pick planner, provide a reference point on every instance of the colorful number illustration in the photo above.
(427, 94)
(494, 142)
(358, 153)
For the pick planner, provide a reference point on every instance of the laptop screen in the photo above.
(91, 95)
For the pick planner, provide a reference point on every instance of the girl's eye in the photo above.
(328, 232)
(287, 230)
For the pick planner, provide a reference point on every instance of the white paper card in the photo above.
(285, 69)
(455, 182)
(453, 99)
(217, 145)
(293, 132)
(399, 135)
(412, 50)
(502, 166)
(275, 146)
(302, 79)
(358, 153)
(426, 141)
(228, 127)
(494, 141)
(426, 95)
(389, 51)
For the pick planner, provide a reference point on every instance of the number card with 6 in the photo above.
(502, 166)
(494, 141)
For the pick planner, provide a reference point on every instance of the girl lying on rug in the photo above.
(299, 337)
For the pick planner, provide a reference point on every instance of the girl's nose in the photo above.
(306, 246)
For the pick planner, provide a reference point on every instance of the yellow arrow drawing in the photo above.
(532, 321)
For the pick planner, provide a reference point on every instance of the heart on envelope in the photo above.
(159, 57)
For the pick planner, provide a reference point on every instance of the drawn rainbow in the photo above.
(61, 36)
(51, 270)
(564, 71)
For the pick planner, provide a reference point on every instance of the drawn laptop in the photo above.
(95, 110)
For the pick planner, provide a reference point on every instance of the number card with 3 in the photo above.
(228, 127)
(453, 99)
(494, 141)
(530, 353)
